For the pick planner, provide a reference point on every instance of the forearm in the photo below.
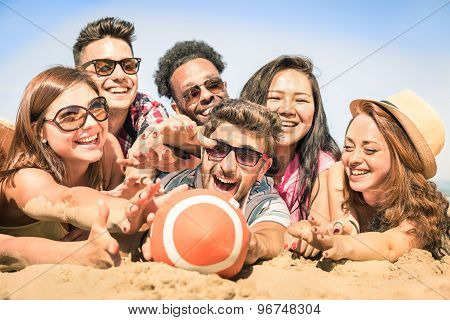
(77, 206)
(18, 253)
(268, 242)
(372, 246)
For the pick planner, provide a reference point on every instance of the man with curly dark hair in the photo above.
(189, 74)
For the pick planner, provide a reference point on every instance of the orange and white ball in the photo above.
(201, 230)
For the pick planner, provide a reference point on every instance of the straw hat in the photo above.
(419, 120)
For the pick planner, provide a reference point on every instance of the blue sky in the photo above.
(335, 34)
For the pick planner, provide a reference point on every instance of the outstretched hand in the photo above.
(299, 238)
(324, 237)
(132, 184)
(168, 146)
(144, 202)
(100, 250)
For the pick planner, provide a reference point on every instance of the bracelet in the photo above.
(355, 225)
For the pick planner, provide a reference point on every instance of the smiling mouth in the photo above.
(288, 124)
(119, 90)
(205, 112)
(92, 140)
(224, 184)
(354, 172)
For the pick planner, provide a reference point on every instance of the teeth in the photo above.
(223, 180)
(288, 124)
(359, 172)
(88, 139)
(118, 90)
(206, 112)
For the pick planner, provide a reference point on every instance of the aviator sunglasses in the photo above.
(213, 85)
(244, 156)
(105, 67)
(72, 118)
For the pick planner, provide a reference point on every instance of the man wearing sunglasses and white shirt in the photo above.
(245, 136)
(103, 48)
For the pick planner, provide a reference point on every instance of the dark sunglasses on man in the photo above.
(105, 67)
(244, 156)
(213, 85)
(74, 117)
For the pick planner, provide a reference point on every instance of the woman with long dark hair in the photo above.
(288, 86)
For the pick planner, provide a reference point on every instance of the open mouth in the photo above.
(288, 124)
(205, 112)
(92, 140)
(118, 90)
(355, 172)
(224, 184)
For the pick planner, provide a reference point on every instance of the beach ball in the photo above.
(201, 230)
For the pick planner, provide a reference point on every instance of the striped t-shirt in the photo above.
(262, 203)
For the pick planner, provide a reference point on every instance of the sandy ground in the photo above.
(415, 276)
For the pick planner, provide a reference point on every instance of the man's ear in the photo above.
(175, 107)
(266, 166)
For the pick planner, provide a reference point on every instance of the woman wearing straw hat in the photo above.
(386, 206)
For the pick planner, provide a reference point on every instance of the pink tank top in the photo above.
(288, 188)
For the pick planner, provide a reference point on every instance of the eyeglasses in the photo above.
(246, 157)
(105, 67)
(213, 85)
(72, 118)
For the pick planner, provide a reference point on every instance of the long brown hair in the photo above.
(407, 194)
(318, 137)
(27, 149)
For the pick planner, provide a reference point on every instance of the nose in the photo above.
(90, 122)
(285, 108)
(229, 164)
(118, 73)
(356, 157)
(206, 96)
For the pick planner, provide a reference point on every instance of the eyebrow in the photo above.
(295, 93)
(364, 142)
(245, 146)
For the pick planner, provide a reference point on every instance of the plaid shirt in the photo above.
(143, 111)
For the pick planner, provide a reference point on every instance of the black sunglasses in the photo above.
(105, 67)
(72, 118)
(245, 156)
(213, 85)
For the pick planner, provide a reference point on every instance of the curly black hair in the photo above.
(180, 53)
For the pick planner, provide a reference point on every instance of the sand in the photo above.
(415, 276)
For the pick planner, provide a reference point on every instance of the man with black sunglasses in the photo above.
(245, 136)
(104, 50)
